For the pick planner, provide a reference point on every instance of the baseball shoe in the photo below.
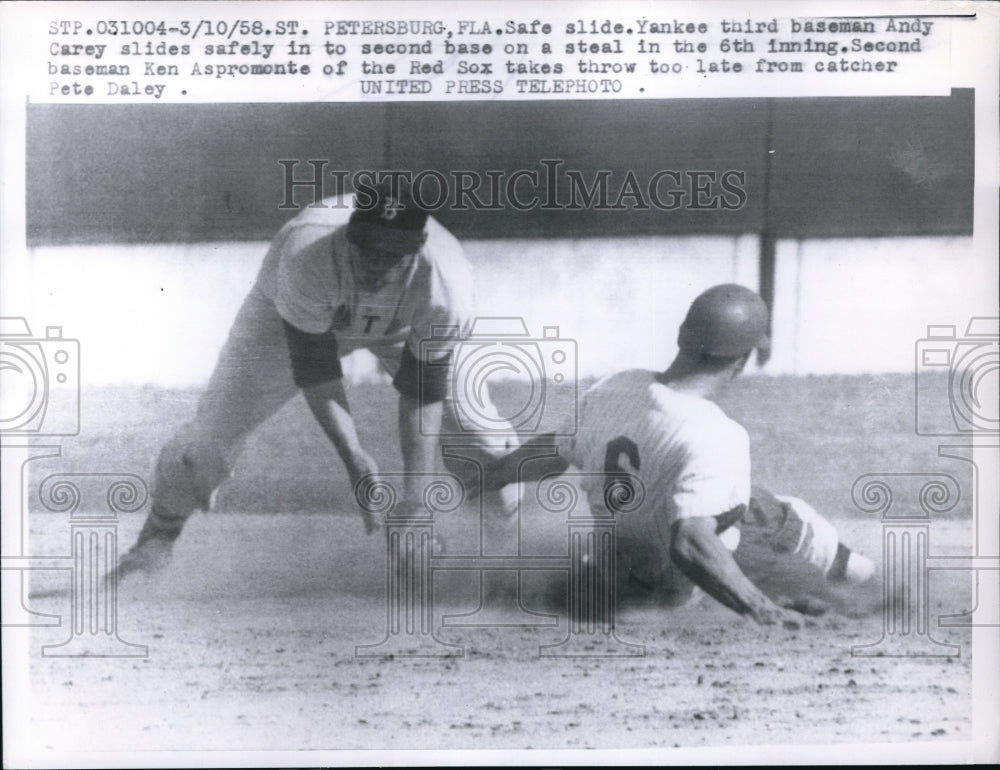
(854, 584)
(147, 557)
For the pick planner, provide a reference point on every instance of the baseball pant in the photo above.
(782, 544)
(785, 546)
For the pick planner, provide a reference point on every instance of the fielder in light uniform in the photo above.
(378, 276)
(690, 464)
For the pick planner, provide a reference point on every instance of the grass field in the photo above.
(252, 631)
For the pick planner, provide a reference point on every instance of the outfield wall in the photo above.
(811, 167)
(157, 314)
(146, 223)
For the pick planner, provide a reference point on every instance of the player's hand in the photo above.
(475, 487)
(810, 606)
(767, 613)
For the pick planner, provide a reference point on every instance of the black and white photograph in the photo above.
(465, 383)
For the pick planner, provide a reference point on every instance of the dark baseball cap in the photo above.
(386, 218)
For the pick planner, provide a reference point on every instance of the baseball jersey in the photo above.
(307, 274)
(690, 458)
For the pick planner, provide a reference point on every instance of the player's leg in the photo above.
(790, 551)
(471, 437)
(251, 381)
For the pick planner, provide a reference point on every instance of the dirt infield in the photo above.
(251, 634)
(251, 638)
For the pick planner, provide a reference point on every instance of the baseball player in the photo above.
(790, 551)
(384, 276)
(682, 472)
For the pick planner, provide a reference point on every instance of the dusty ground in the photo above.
(252, 653)
(251, 633)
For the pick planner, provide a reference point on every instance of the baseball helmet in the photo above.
(386, 218)
(726, 321)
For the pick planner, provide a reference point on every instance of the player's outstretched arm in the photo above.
(697, 550)
(533, 460)
(328, 403)
(316, 370)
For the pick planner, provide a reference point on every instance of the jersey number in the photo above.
(619, 487)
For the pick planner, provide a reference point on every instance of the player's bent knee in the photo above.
(187, 475)
(816, 538)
